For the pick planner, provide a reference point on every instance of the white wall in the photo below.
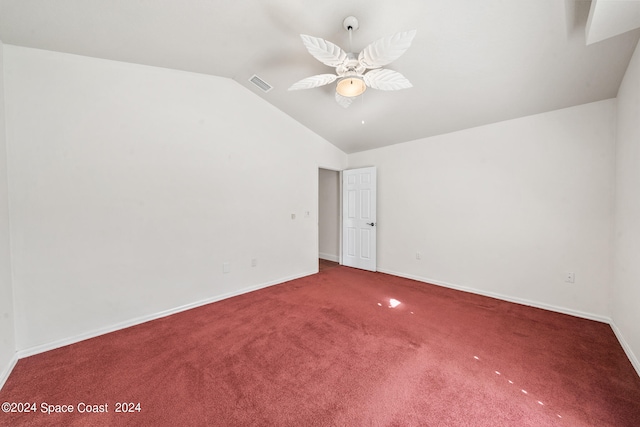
(505, 209)
(626, 284)
(130, 186)
(7, 340)
(329, 215)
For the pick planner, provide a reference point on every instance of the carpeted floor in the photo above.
(332, 350)
(324, 264)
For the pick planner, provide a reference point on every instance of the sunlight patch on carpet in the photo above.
(525, 392)
(393, 303)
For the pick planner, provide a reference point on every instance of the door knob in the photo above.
(371, 223)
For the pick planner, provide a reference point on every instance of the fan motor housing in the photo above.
(350, 66)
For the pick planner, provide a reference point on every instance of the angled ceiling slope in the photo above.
(471, 63)
(609, 18)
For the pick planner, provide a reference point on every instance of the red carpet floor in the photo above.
(328, 350)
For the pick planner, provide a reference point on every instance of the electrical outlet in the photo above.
(254, 262)
(570, 277)
(226, 267)
(418, 255)
(293, 216)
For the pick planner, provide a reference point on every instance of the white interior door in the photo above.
(359, 218)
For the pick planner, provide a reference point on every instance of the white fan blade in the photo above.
(314, 81)
(344, 101)
(383, 79)
(324, 51)
(386, 50)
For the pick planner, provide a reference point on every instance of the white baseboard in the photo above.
(143, 319)
(502, 297)
(329, 257)
(4, 375)
(625, 346)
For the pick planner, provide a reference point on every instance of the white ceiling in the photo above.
(473, 62)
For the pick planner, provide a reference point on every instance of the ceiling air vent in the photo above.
(264, 86)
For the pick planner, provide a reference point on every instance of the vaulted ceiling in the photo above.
(472, 62)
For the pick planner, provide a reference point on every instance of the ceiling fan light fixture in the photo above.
(354, 73)
(351, 86)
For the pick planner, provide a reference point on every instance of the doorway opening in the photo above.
(329, 211)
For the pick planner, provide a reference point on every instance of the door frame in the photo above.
(340, 211)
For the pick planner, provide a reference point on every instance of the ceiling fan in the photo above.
(351, 70)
